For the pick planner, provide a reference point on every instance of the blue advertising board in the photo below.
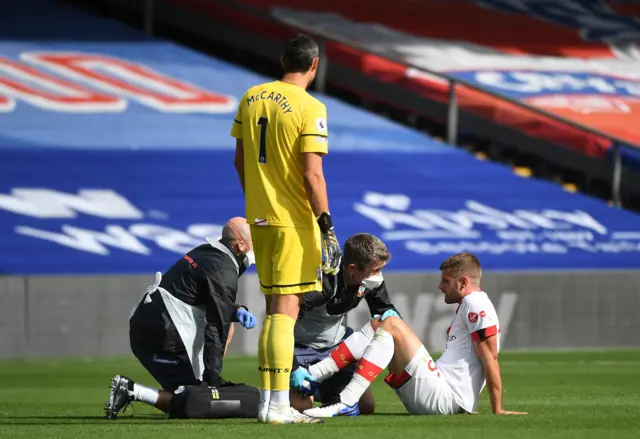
(112, 211)
(115, 158)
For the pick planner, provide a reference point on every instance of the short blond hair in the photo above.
(463, 264)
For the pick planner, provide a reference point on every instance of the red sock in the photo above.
(367, 370)
(375, 358)
(347, 352)
(342, 356)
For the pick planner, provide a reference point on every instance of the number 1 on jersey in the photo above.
(262, 154)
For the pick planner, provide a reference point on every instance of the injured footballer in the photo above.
(448, 386)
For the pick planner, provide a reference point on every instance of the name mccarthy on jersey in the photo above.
(277, 122)
(278, 98)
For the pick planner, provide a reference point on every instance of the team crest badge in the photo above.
(360, 292)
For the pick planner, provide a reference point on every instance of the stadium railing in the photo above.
(323, 36)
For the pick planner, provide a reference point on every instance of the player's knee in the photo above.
(287, 304)
(392, 324)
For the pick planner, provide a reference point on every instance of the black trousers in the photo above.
(156, 343)
(229, 400)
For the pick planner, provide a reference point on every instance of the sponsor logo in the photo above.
(549, 82)
(127, 227)
(274, 369)
(485, 229)
(76, 82)
(599, 79)
(190, 260)
(474, 226)
(582, 104)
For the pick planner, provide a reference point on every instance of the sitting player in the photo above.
(448, 386)
(322, 324)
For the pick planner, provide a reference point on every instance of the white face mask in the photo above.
(249, 259)
(373, 282)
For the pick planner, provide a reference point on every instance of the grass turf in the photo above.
(568, 395)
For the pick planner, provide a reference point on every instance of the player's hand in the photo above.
(388, 313)
(246, 318)
(330, 246)
(298, 378)
(507, 412)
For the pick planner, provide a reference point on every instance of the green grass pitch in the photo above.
(568, 395)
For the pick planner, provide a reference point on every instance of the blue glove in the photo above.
(245, 318)
(387, 313)
(298, 378)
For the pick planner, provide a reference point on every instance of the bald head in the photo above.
(237, 234)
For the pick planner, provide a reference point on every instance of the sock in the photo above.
(280, 397)
(145, 394)
(263, 363)
(265, 397)
(375, 359)
(279, 355)
(347, 352)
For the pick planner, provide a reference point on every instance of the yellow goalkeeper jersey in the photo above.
(278, 122)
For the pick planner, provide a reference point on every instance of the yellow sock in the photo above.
(280, 353)
(263, 358)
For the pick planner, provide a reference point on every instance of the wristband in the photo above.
(325, 223)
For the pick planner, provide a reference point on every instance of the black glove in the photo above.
(330, 247)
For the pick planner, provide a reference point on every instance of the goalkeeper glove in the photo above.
(330, 246)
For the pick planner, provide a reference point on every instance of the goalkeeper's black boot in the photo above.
(120, 396)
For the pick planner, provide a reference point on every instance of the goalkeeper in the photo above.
(281, 138)
(322, 324)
